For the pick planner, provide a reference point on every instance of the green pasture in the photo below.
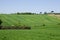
(51, 30)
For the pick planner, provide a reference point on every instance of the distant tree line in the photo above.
(26, 13)
(29, 13)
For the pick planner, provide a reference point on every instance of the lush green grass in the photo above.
(41, 34)
(51, 30)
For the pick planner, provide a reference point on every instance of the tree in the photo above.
(45, 12)
(18, 13)
(52, 11)
(40, 12)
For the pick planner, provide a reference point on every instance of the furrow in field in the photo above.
(8, 20)
(42, 19)
(5, 20)
(12, 20)
(30, 20)
(25, 21)
(16, 19)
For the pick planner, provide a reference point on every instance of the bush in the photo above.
(0, 21)
(0, 24)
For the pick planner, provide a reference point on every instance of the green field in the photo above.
(51, 30)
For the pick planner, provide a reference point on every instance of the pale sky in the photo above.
(12, 6)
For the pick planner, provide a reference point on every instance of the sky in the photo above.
(36, 6)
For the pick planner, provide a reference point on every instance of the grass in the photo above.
(51, 30)
(41, 34)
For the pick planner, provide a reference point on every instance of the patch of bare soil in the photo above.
(57, 16)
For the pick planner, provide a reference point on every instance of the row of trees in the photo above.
(29, 13)
(26, 13)
(46, 12)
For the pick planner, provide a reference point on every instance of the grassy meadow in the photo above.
(43, 27)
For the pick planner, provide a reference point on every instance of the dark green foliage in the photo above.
(52, 11)
(40, 12)
(26, 13)
(0, 21)
(18, 13)
(45, 12)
